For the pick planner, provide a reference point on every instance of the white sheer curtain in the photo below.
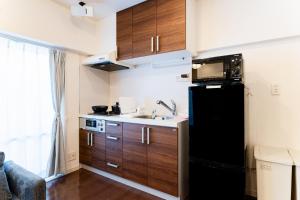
(26, 111)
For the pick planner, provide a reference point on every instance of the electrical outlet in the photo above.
(183, 77)
(72, 156)
(275, 90)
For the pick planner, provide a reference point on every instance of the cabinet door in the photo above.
(124, 34)
(144, 28)
(98, 150)
(171, 25)
(163, 159)
(85, 151)
(134, 154)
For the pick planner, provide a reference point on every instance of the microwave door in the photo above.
(209, 71)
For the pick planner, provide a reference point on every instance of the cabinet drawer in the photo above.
(114, 167)
(114, 148)
(114, 128)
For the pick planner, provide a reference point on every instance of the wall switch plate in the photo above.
(275, 90)
(183, 77)
(71, 156)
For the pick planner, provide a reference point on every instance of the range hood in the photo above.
(107, 62)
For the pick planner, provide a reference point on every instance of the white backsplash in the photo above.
(147, 85)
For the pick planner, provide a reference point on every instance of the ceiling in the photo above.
(103, 8)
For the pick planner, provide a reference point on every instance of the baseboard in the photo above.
(131, 183)
(68, 171)
(72, 169)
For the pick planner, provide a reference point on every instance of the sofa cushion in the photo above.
(5, 194)
(2, 157)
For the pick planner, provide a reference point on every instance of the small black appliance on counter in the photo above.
(217, 142)
(102, 110)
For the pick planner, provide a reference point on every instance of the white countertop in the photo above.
(125, 118)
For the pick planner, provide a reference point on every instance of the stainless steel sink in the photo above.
(156, 118)
(144, 116)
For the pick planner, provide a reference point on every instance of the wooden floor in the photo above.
(82, 184)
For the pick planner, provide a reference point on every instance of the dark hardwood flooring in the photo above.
(86, 185)
(82, 185)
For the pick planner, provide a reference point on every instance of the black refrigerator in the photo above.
(217, 144)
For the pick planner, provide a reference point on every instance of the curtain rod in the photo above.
(18, 38)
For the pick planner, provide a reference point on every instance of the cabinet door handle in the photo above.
(152, 44)
(92, 139)
(157, 43)
(112, 124)
(88, 139)
(148, 135)
(112, 138)
(112, 165)
(117, 53)
(143, 135)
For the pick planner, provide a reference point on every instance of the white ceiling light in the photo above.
(82, 10)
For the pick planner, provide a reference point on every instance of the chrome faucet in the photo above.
(172, 110)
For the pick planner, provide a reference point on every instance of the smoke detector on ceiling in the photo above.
(82, 10)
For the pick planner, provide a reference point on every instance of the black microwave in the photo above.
(218, 69)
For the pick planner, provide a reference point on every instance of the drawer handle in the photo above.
(112, 165)
(112, 124)
(112, 138)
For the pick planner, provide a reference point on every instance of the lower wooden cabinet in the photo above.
(85, 150)
(135, 153)
(145, 154)
(150, 156)
(114, 152)
(92, 148)
(162, 157)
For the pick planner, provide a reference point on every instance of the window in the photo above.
(26, 111)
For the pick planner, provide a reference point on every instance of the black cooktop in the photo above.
(110, 113)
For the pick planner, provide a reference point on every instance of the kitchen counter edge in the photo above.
(173, 123)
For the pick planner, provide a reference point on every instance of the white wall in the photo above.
(223, 23)
(72, 108)
(107, 34)
(49, 22)
(94, 88)
(147, 85)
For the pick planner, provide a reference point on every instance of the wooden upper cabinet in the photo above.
(124, 34)
(171, 25)
(134, 154)
(163, 159)
(144, 28)
(151, 27)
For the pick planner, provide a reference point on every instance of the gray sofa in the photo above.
(23, 184)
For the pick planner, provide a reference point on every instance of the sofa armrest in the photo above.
(24, 184)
